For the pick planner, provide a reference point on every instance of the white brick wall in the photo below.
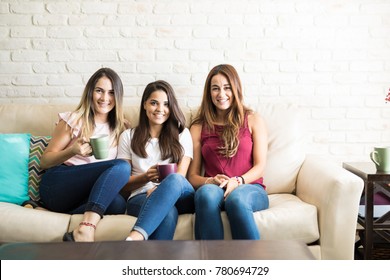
(331, 57)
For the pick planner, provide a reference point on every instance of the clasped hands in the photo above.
(224, 182)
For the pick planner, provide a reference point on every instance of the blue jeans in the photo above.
(158, 213)
(239, 207)
(88, 187)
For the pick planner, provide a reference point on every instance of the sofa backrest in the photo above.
(286, 140)
(286, 146)
(40, 119)
(30, 118)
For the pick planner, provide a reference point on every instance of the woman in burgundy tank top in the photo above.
(230, 143)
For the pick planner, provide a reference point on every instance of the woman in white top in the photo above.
(160, 137)
(75, 182)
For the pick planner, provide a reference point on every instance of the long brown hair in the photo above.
(85, 112)
(234, 119)
(170, 146)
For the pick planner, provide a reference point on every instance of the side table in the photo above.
(374, 181)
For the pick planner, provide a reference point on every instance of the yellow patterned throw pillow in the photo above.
(37, 145)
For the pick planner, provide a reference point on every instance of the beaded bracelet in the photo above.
(238, 180)
(87, 224)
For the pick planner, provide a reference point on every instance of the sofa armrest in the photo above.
(336, 193)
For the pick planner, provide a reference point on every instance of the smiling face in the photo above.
(103, 99)
(221, 92)
(157, 108)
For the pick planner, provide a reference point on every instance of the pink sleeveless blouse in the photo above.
(214, 163)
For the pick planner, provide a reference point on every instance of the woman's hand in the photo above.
(82, 148)
(224, 182)
(220, 179)
(152, 174)
(230, 185)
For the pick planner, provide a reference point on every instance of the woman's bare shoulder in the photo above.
(256, 122)
(255, 117)
(196, 127)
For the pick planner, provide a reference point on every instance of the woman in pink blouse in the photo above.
(75, 181)
(230, 142)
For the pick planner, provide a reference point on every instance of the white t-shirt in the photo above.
(141, 165)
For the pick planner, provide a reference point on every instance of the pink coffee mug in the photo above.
(165, 169)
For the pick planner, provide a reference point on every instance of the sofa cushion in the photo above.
(286, 146)
(288, 218)
(37, 146)
(14, 151)
(20, 224)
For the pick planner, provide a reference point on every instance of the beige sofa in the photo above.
(311, 200)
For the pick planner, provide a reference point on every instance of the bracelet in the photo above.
(238, 180)
(87, 224)
(242, 179)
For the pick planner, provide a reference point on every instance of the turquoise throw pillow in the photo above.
(14, 153)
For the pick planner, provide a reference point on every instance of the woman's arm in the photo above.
(185, 140)
(195, 167)
(260, 147)
(151, 175)
(57, 151)
(138, 181)
(182, 167)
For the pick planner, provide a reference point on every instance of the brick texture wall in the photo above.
(331, 58)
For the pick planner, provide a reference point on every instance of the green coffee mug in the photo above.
(381, 157)
(100, 146)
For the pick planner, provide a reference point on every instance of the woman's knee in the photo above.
(120, 170)
(122, 166)
(247, 197)
(208, 193)
(176, 183)
(237, 199)
(174, 177)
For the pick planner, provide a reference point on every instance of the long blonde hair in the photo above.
(235, 115)
(85, 114)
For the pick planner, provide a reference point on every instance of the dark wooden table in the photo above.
(374, 181)
(159, 250)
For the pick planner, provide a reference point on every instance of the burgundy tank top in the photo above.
(214, 163)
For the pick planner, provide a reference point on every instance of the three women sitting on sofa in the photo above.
(228, 139)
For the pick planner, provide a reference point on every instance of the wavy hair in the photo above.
(235, 115)
(170, 146)
(85, 111)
